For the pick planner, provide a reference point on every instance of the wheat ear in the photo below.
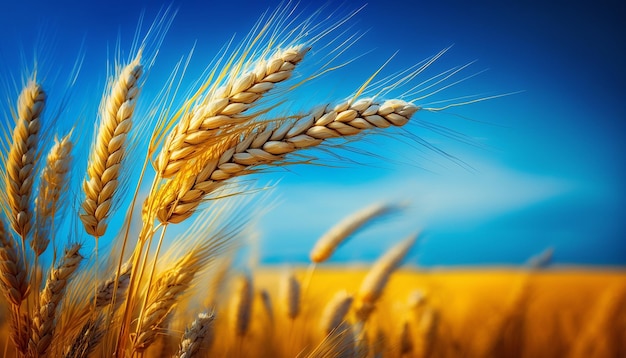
(335, 311)
(103, 171)
(179, 199)
(328, 243)
(21, 159)
(14, 277)
(198, 337)
(427, 326)
(266, 299)
(104, 296)
(168, 289)
(241, 305)
(15, 286)
(406, 342)
(87, 339)
(290, 292)
(224, 108)
(376, 279)
(340, 342)
(53, 181)
(50, 298)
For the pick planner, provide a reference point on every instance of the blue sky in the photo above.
(545, 167)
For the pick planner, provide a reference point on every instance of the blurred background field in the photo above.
(492, 312)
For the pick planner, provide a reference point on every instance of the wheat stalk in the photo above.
(179, 199)
(328, 243)
(376, 279)
(50, 298)
(335, 311)
(104, 167)
(53, 181)
(22, 155)
(224, 108)
(198, 337)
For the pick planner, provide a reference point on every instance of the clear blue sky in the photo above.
(547, 165)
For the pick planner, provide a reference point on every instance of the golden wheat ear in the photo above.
(20, 162)
(88, 338)
(338, 234)
(290, 295)
(104, 168)
(44, 321)
(335, 312)
(178, 199)
(198, 337)
(54, 179)
(15, 286)
(223, 109)
(376, 279)
(241, 305)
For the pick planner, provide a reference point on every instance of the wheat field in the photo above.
(133, 249)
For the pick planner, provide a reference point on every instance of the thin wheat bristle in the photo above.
(224, 108)
(340, 342)
(290, 293)
(198, 337)
(50, 298)
(328, 243)
(21, 158)
(241, 305)
(376, 279)
(53, 181)
(270, 145)
(335, 311)
(104, 169)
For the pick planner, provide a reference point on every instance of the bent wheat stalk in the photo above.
(104, 167)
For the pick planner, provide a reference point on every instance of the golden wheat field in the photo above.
(127, 242)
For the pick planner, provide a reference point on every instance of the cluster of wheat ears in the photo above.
(131, 300)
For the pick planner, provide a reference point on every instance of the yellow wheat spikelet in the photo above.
(104, 167)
